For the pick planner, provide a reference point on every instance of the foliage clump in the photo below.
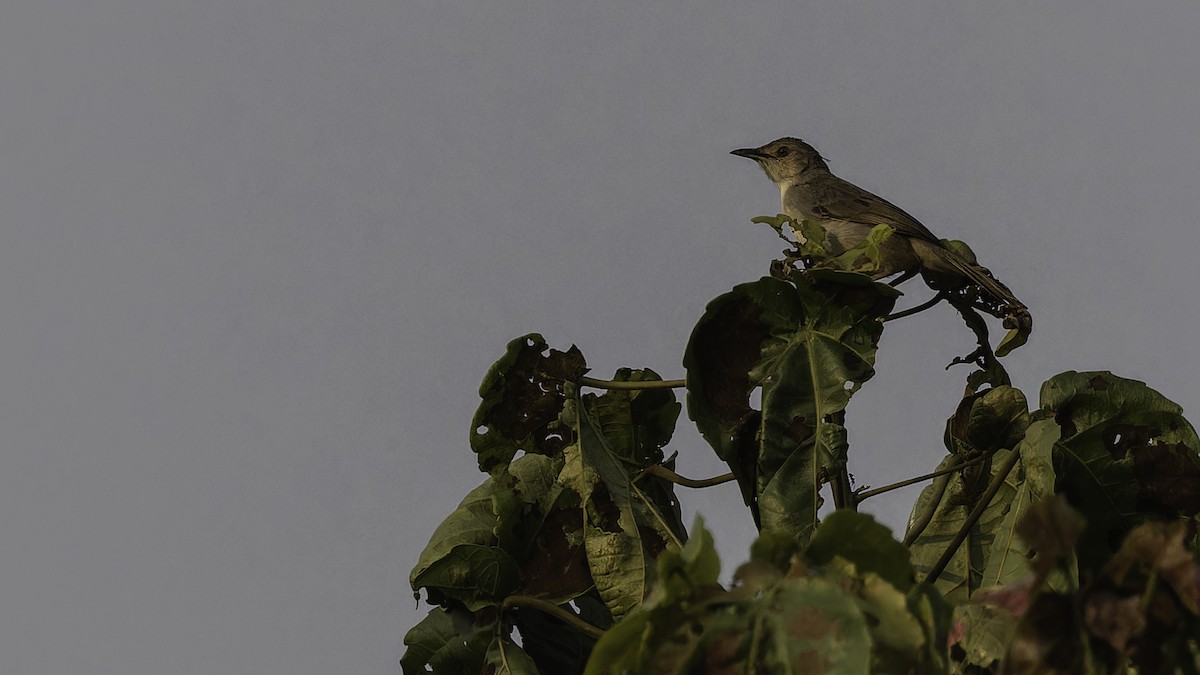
(1058, 539)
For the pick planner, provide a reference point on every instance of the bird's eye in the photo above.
(783, 152)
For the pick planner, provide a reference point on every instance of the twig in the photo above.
(657, 514)
(915, 309)
(984, 500)
(645, 384)
(921, 519)
(919, 479)
(554, 611)
(667, 474)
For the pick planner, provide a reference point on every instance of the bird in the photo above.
(808, 190)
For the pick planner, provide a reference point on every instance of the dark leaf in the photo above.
(1126, 455)
(809, 343)
(523, 395)
(859, 539)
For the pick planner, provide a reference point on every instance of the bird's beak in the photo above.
(750, 153)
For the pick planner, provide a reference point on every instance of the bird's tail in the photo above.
(1001, 296)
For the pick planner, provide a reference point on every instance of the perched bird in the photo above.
(848, 213)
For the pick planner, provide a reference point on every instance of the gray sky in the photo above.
(256, 256)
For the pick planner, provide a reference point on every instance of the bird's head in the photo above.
(786, 160)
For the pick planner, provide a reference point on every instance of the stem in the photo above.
(843, 494)
(615, 384)
(975, 515)
(667, 474)
(921, 520)
(657, 515)
(918, 308)
(919, 479)
(554, 611)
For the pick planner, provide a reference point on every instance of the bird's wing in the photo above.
(836, 199)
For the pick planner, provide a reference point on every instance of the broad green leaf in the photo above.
(861, 540)
(555, 646)
(635, 426)
(506, 658)
(979, 636)
(898, 634)
(811, 625)
(991, 422)
(988, 421)
(1033, 479)
(464, 560)
(828, 619)
(1126, 454)
(799, 625)
(809, 343)
(621, 537)
(520, 534)
(934, 615)
(435, 642)
(683, 572)
(699, 555)
(523, 395)
(684, 576)
(950, 500)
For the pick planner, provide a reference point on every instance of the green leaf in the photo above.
(520, 534)
(776, 221)
(523, 395)
(548, 536)
(623, 529)
(635, 426)
(682, 572)
(555, 646)
(899, 635)
(1033, 479)
(1126, 455)
(946, 504)
(809, 343)
(799, 625)
(506, 658)
(860, 539)
(831, 619)
(463, 559)
(864, 257)
(685, 577)
(1014, 338)
(990, 422)
(435, 642)
(979, 636)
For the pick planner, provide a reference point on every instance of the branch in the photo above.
(615, 384)
(667, 474)
(976, 513)
(657, 514)
(554, 611)
(917, 308)
(919, 479)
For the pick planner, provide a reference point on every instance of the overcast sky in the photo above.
(256, 256)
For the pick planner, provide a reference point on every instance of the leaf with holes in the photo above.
(523, 395)
(1126, 455)
(809, 343)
